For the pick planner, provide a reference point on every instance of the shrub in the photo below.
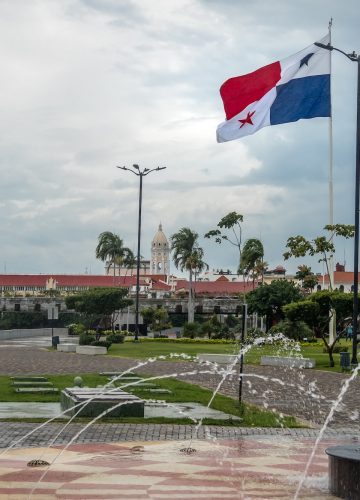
(76, 329)
(160, 336)
(224, 333)
(85, 339)
(190, 330)
(115, 338)
(186, 340)
(101, 343)
(296, 330)
(337, 349)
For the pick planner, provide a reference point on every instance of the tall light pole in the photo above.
(140, 173)
(355, 58)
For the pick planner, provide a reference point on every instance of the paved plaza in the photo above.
(209, 469)
(129, 461)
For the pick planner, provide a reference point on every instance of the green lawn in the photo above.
(144, 349)
(148, 349)
(181, 392)
(313, 351)
(7, 392)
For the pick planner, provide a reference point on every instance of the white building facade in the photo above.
(160, 254)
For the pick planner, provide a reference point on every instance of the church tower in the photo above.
(160, 253)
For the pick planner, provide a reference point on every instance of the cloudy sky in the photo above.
(90, 84)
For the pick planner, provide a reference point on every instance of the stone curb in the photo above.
(12, 432)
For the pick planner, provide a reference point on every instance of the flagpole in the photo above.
(331, 189)
(332, 322)
(355, 58)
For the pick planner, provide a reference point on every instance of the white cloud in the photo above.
(91, 84)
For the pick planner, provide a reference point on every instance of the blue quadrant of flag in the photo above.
(301, 98)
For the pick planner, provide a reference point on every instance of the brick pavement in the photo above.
(26, 434)
(306, 394)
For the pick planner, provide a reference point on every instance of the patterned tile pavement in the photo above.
(216, 470)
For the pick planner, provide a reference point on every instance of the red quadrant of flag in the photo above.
(238, 92)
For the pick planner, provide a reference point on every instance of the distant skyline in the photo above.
(91, 84)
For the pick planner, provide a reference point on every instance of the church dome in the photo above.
(159, 238)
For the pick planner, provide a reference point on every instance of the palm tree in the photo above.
(260, 268)
(196, 264)
(252, 254)
(187, 256)
(111, 248)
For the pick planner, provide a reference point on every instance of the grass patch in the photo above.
(144, 349)
(7, 393)
(308, 350)
(182, 392)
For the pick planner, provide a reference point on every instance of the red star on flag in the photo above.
(247, 119)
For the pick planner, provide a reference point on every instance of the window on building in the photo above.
(37, 307)
(17, 307)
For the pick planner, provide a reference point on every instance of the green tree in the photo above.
(299, 246)
(148, 315)
(307, 277)
(230, 222)
(156, 317)
(111, 248)
(187, 255)
(251, 257)
(99, 304)
(317, 310)
(268, 300)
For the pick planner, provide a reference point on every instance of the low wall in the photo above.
(222, 359)
(290, 362)
(22, 333)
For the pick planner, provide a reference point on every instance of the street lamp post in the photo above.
(355, 58)
(140, 173)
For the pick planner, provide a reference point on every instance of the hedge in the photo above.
(185, 340)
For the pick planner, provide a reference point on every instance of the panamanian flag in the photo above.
(285, 91)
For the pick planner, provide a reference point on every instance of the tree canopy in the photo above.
(251, 257)
(231, 221)
(299, 246)
(316, 311)
(188, 255)
(268, 300)
(111, 248)
(99, 302)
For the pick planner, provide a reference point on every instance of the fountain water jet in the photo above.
(224, 373)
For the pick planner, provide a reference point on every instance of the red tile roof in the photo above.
(66, 280)
(218, 287)
(222, 278)
(211, 288)
(160, 285)
(345, 277)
